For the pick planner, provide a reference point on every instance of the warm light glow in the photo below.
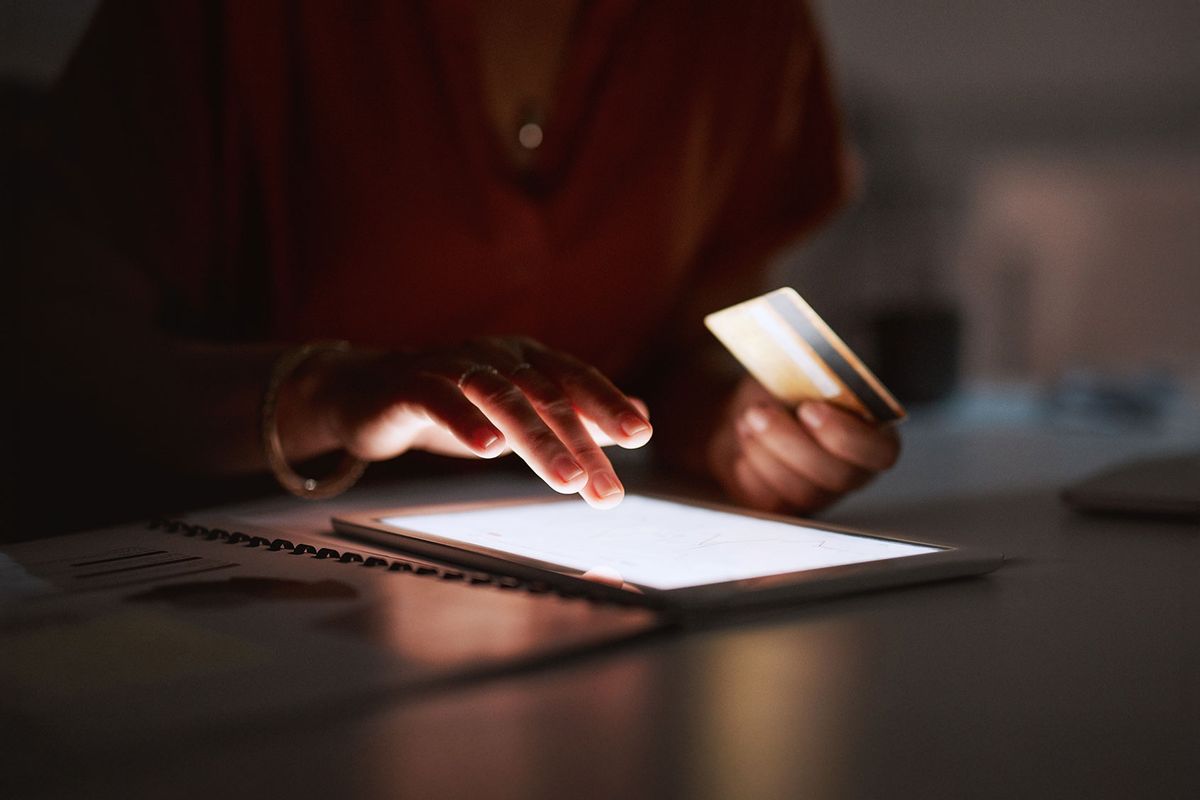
(653, 543)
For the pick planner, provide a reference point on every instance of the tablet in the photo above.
(663, 551)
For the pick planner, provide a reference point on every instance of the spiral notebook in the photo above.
(160, 631)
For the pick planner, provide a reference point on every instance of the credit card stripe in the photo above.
(783, 337)
(849, 376)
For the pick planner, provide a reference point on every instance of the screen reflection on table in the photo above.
(758, 720)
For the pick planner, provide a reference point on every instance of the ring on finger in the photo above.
(524, 365)
(473, 370)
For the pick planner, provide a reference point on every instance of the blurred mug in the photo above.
(917, 351)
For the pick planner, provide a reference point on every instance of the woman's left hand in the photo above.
(772, 458)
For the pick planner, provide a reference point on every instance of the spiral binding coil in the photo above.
(193, 530)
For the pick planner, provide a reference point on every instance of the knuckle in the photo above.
(571, 378)
(585, 376)
(506, 395)
(554, 407)
(543, 440)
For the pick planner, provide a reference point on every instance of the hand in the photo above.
(481, 399)
(771, 458)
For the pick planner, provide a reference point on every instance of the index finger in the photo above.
(596, 397)
(603, 489)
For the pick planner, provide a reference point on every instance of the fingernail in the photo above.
(757, 420)
(814, 415)
(632, 426)
(605, 485)
(489, 443)
(567, 469)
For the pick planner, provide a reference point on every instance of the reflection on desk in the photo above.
(1072, 672)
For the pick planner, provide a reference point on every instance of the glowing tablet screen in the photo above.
(653, 543)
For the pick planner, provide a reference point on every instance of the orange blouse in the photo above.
(292, 171)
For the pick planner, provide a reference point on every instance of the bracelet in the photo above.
(348, 471)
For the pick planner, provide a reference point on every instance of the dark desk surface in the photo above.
(1072, 672)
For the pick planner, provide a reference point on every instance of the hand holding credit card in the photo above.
(790, 350)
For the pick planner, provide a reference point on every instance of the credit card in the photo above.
(790, 350)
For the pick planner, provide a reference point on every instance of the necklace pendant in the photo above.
(529, 133)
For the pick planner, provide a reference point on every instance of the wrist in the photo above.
(295, 423)
(305, 412)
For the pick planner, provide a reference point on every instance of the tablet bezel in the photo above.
(949, 561)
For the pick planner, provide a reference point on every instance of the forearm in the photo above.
(220, 421)
(89, 332)
(161, 397)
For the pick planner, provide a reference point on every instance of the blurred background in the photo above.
(1030, 214)
(1032, 194)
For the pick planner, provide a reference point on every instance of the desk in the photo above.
(1072, 672)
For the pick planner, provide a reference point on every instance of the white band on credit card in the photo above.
(786, 339)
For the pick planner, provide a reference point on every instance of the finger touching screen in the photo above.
(653, 543)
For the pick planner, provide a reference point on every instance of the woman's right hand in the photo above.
(482, 398)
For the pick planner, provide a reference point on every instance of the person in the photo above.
(453, 227)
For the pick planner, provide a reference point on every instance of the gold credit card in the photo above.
(796, 356)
